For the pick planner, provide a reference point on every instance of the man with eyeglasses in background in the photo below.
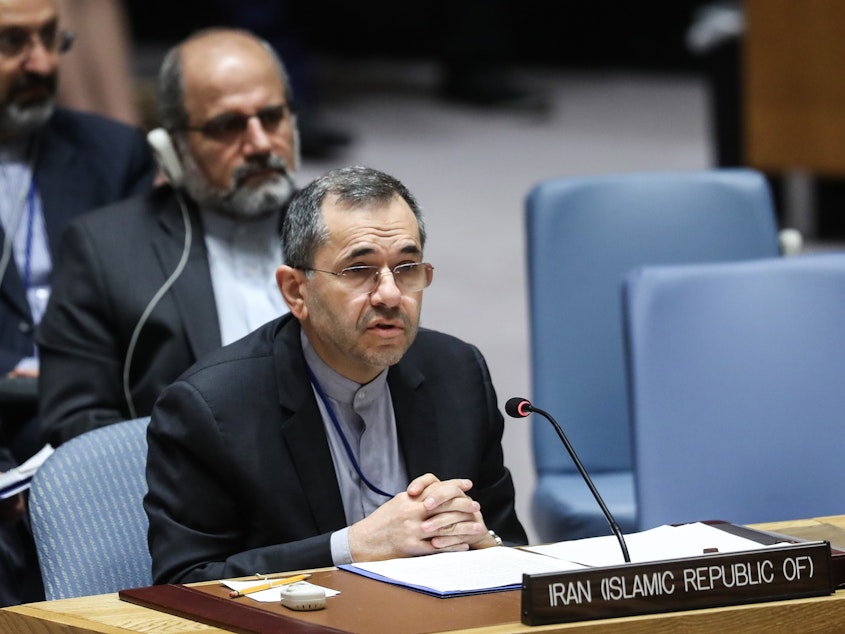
(150, 285)
(340, 432)
(55, 164)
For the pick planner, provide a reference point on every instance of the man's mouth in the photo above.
(260, 170)
(262, 174)
(31, 90)
(387, 326)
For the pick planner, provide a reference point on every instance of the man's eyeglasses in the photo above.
(15, 41)
(230, 126)
(409, 278)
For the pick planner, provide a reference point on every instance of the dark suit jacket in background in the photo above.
(84, 161)
(112, 262)
(240, 475)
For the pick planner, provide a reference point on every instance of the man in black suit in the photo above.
(150, 285)
(339, 432)
(54, 165)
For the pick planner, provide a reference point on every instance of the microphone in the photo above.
(520, 408)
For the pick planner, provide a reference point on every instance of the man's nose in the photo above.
(38, 58)
(256, 139)
(386, 291)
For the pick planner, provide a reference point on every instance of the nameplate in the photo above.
(780, 572)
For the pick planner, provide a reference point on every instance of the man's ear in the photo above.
(291, 283)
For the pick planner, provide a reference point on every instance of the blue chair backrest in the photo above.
(737, 375)
(88, 520)
(583, 235)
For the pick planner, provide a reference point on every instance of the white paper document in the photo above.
(496, 569)
(657, 544)
(472, 571)
(18, 479)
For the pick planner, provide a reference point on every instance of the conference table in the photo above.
(365, 605)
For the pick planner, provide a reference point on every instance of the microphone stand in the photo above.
(613, 525)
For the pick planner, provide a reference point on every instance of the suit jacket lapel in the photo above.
(419, 436)
(58, 182)
(12, 287)
(192, 292)
(303, 429)
(63, 182)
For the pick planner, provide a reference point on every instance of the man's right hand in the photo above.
(430, 516)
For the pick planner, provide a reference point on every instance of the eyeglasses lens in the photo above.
(228, 127)
(15, 41)
(409, 278)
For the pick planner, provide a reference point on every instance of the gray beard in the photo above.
(240, 202)
(18, 121)
(260, 201)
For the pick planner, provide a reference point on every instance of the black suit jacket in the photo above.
(239, 470)
(112, 263)
(84, 161)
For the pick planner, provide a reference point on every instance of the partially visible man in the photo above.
(339, 432)
(54, 165)
(148, 286)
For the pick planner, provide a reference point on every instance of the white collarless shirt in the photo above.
(243, 257)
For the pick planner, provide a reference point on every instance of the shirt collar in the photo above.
(14, 150)
(337, 386)
(229, 230)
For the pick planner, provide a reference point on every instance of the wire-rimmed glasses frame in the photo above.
(410, 277)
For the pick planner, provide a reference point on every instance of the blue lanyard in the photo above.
(30, 222)
(337, 427)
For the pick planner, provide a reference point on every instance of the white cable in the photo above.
(130, 351)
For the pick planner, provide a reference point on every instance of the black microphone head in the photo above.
(518, 407)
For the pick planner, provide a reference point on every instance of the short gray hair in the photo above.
(303, 230)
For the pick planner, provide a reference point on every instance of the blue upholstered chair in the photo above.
(583, 234)
(89, 524)
(737, 376)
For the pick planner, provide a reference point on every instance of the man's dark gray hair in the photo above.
(303, 230)
(170, 100)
